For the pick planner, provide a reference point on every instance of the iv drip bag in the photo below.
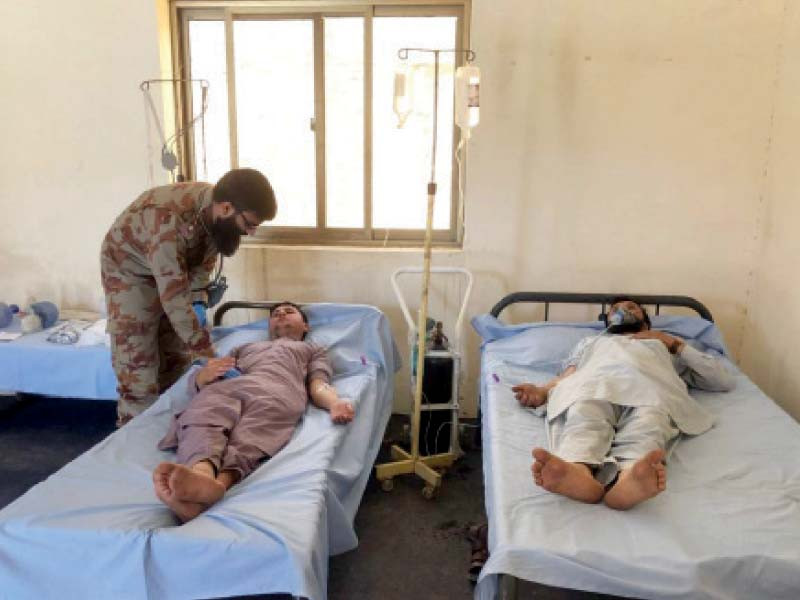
(402, 93)
(467, 91)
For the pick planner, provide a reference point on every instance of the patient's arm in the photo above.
(703, 371)
(534, 396)
(324, 396)
(697, 369)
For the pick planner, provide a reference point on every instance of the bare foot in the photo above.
(185, 511)
(190, 485)
(645, 479)
(161, 479)
(568, 479)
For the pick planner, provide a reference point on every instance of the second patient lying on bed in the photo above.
(618, 405)
(230, 426)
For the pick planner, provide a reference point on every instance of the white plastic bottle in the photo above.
(467, 91)
(402, 93)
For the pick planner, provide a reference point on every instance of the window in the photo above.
(303, 91)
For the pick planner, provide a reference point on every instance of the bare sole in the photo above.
(644, 480)
(191, 486)
(564, 478)
(185, 511)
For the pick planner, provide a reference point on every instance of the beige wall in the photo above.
(772, 327)
(72, 145)
(622, 146)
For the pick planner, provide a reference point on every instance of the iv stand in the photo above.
(405, 463)
(168, 158)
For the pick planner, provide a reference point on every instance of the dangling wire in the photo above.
(204, 92)
(460, 160)
(150, 107)
(173, 139)
(150, 179)
(170, 150)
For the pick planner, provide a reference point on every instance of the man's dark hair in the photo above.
(293, 305)
(618, 299)
(247, 189)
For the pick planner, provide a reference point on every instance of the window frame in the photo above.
(228, 11)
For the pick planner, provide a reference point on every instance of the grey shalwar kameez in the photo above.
(237, 423)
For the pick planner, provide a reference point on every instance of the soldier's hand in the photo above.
(208, 352)
(528, 394)
(200, 312)
(214, 369)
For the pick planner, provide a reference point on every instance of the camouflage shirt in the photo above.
(160, 237)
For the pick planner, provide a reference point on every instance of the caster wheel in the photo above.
(387, 485)
(429, 492)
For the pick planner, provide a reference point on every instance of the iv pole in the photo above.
(168, 158)
(405, 463)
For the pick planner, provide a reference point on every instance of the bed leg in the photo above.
(507, 587)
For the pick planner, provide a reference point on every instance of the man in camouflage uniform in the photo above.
(156, 261)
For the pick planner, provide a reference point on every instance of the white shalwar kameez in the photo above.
(628, 396)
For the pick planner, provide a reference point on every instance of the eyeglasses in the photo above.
(248, 225)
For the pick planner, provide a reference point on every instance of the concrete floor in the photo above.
(40, 435)
(409, 547)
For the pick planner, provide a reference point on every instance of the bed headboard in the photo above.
(226, 306)
(549, 298)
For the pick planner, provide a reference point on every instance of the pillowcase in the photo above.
(550, 341)
(334, 327)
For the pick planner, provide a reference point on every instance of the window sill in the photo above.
(348, 246)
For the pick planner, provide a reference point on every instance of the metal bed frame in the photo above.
(226, 306)
(508, 584)
(549, 298)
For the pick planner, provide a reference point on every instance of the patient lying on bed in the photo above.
(231, 425)
(620, 403)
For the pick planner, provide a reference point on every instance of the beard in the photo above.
(627, 327)
(226, 235)
(627, 322)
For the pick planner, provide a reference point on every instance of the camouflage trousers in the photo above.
(146, 353)
(146, 363)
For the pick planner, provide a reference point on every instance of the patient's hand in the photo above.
(342, 411)
(530, 395)
(673, 344)
(215, 369)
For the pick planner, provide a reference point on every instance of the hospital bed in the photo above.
(32, 365)
(95, 529)
(727, 526)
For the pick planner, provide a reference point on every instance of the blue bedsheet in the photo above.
(32, 365)
(727, 526)
(95, 529)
